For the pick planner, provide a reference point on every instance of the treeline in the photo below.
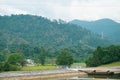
(104, 55)
(15, 61)
(38, 54)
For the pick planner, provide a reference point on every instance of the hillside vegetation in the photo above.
(27, 34)
(105, 27)
(104, 55)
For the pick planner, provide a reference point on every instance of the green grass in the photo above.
(49, 67)
(38, 67)
(111, 64)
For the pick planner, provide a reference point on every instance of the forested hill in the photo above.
(24, 30)
(106, 27)
(40, 31)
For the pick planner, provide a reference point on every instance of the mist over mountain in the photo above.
(22, 33)
(105, 27)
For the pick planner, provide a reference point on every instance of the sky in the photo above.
(64, 9)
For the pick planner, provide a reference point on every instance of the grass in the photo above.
(38, 67)
(111, 64)
(49, 67)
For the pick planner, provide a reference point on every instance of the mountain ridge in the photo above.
(106, 27)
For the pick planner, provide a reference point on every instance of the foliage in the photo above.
(109, 28)
(65, 58)
(41, 55)
(11, 67)
(22, 33)
(111, 64)
(16, 59)
(14, 62)
(104, 55)
(2, 57)
(1, 66)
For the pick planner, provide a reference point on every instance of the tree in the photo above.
(1, 66)
(104, 55)
(2, 57)
(16, 59)
(13, 62)
(42, 56)
(65, 58)
(3, 42)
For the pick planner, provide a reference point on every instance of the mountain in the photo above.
(106, 27)
(22, 33)
(9, 41)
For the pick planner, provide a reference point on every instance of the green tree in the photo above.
(13, 62)
(2, 57)
(65, 58)
(42, 56)
(1, 66)
(16, 59)
(104, 55)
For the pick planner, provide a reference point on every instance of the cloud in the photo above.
(64, 9)
(8, 10)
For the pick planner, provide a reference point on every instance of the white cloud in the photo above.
(64, 9)
(7, 10)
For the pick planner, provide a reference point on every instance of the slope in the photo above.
(107, 28)
(37, 31)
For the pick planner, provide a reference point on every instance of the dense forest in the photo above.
(104, 55)
(27, 34)
(108, 28)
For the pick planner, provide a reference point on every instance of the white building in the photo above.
(30, 62)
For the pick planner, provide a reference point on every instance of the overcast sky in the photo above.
(63, 9)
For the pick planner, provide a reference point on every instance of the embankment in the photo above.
(38, 75)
